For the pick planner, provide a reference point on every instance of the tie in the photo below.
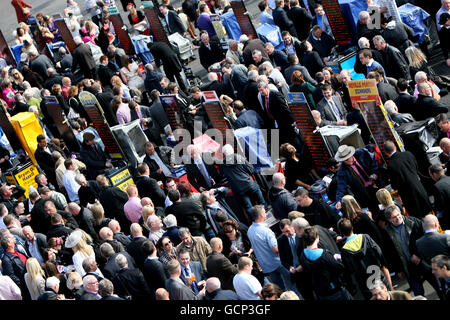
(268, 110)
(205, 174)
(294, 255)
(359, 170)
(336, 109)
(194, 284)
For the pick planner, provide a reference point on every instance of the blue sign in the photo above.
(296, 97)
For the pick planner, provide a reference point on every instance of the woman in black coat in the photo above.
(235, 241)
(299, 170)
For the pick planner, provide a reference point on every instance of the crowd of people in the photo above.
(206, 237)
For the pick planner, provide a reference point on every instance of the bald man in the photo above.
(444, 157)
(281, 200)
(114, 225)
(219, 266)
(161, 294)
(430, 245)
(107, 235)
(215, 292)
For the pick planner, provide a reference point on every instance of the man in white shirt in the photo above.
(69, 182)
(245, 284)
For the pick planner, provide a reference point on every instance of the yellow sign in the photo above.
(122, 179)
(362, 90)
(24, 178)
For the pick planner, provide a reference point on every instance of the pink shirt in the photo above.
(123, 114)
(133, 209)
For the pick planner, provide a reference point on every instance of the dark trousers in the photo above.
(172, 75)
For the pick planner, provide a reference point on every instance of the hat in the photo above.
(23, 57)
(344, 152)
(73, 239)
(243, 38)
(444, 17)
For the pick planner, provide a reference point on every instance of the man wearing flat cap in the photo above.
(359, 172)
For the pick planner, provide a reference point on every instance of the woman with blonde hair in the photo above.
(116, 81)
(34, 278)
(385, 199)
(361, 219)
(147, 211)
(99, 216)
(75, 283)
(78, 241)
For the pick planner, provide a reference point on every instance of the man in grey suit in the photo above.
(191, 268)
(396, 117)
(431, 244)
(331, 108)
(176, 287)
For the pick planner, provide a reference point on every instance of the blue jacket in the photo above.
(249, 118)
(345, 177)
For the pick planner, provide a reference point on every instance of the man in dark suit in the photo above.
(441, 192)
(426, 106)
(210, 51)
(215, 292)
(104, 73)
(104, 99)
(192, 273)
(43, 156)
(93, 156)
(331, 108)
(35, 243)
(201, 175)
(362, 28)
(277, 57)
(153, 270)
(396, 117)
(432, 243)
(404, 176)
(404, 101)
(277, 113)
(83, 58)
(134, 248)
(294, 65)
(164, 55)
(110, 268)
(386, 91)
(394, 62)
(177, 289)
(187, 213)
(149, 187)
(312, 60)
(281, 18)
(130, 282)
(249, 47)
(321, 41)
(301, 19)
(174, 23)
(159, 160)
(90, 288)
(219, 266)
(246, 118)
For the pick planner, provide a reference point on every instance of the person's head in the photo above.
(289, 295)
(345, 227)
(184, 257)
(258, 213)
(74, 281)
(245, 264)
(350, 207)
(49, 207)
(365, 56)
(327, 91)
(271, 291)
(121, 261)
(28, 233)
(436, 171)
(135, 230)
(316, 31)
(390, 107)
(132, 191)
(384, 197)
(98, 212)
(161, 294)
(105, 287)
(269, 48)
(106, 250)
(302, 197)
(440, 266)
(33, 268)
(154, 222)
(195, 93)
(444, 144)
(163, 9)
(174, 195)
(90, 283)
(89, 264)
(106, 233)
(379, 42)
(279, 180)
(363, 17)
(446, 4)
(420, 77)
(379, 290)
(393, 215)
(263, 5)
(205, 38)
(415, 56)
(185, 236)
(363, 42)
(170, 221)
(170, 184)
(216, 244)
(89, 138)
(424, 89)
(299, 225)
(42, 141)
(287, 228)
(257, 56)
(263, 88)
(174, 268)
(52, 283)
(318, 9)
(430, 222)
(149, 248)
(443, 122)
(389, 147)
(310, 236)
(212, 284)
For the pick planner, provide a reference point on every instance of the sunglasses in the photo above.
(167, 243)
